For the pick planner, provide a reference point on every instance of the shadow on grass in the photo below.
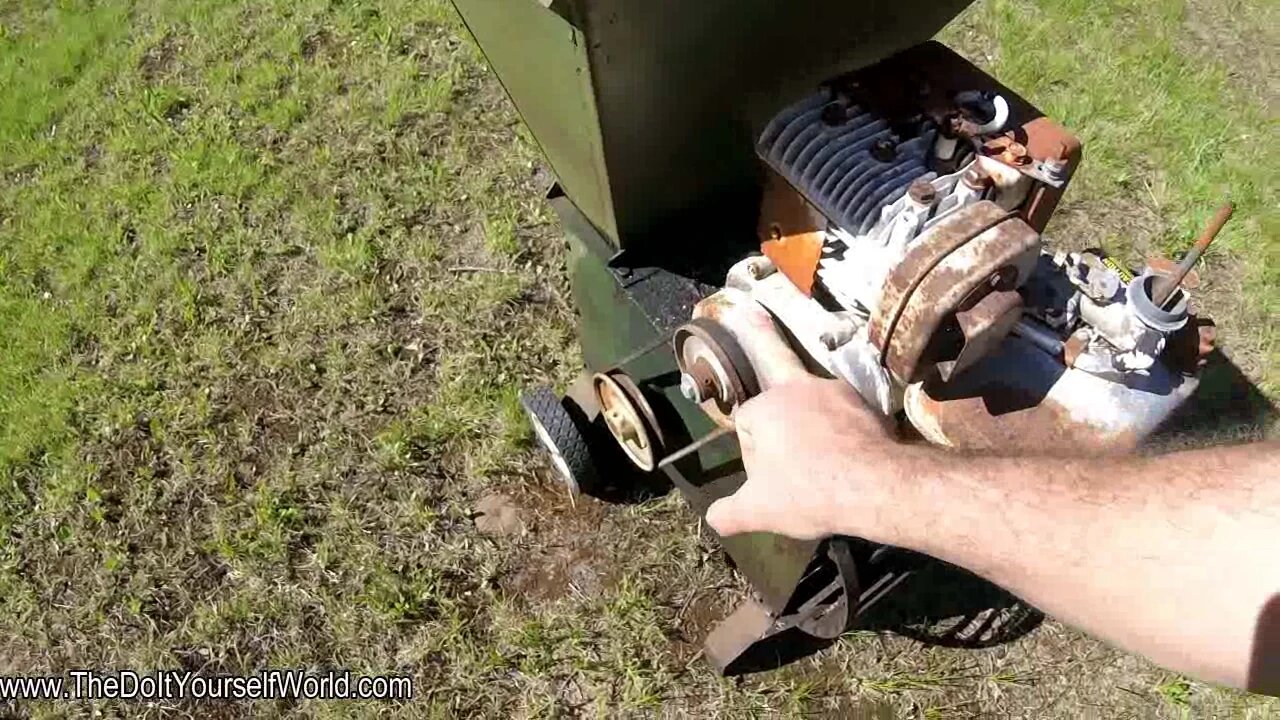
(945, 605)
(936, 604)
(1227, 407)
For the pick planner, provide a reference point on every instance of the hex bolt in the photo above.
(922, 192)
(690, 388)
(977, 179)
(761, 267)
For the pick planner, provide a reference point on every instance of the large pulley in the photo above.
(715, 372)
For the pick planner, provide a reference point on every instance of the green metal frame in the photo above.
(611, 325)
(646, 108)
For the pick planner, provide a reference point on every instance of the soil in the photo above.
(567, 550)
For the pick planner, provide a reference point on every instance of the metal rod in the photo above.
(1037, 335)
(1164, 288)
(688, 450)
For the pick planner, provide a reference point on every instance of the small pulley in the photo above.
(629, 417)
(715, 372)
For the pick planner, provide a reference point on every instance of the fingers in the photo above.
(733, 514)
(744, 414)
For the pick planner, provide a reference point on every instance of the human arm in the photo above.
(1176, 557)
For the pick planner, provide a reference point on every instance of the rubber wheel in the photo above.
(561, 438)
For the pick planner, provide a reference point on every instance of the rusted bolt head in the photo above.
(884, 150)
(923, 192)
(977, 179)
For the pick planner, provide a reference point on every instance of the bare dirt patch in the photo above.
(318, 44)
(160, 59)
(702, 609)
(569, 550)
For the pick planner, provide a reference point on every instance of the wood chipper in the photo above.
(754, 187)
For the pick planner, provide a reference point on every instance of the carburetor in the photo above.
(901, 236)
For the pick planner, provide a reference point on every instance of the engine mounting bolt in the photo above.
(976, 179)
(923, 192)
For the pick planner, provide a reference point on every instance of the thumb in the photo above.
(731, 515)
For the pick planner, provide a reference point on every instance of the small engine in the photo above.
(900, 230)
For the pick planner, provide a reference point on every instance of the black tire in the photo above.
(561, 438)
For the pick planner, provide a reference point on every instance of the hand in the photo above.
(819, 462)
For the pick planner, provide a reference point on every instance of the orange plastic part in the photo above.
(791, 232)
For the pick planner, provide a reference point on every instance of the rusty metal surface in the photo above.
(708, 352)
(984, 325)
(1020, 399)
(967, 423)
(1160, 265)
(1072, 348)
(940, 270)
(791, 231)
(1040, 139)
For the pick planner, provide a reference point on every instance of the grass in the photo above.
(271, 276)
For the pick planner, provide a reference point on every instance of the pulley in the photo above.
(629, 418)
(714, 370)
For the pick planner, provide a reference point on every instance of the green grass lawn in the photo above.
(271, 276)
